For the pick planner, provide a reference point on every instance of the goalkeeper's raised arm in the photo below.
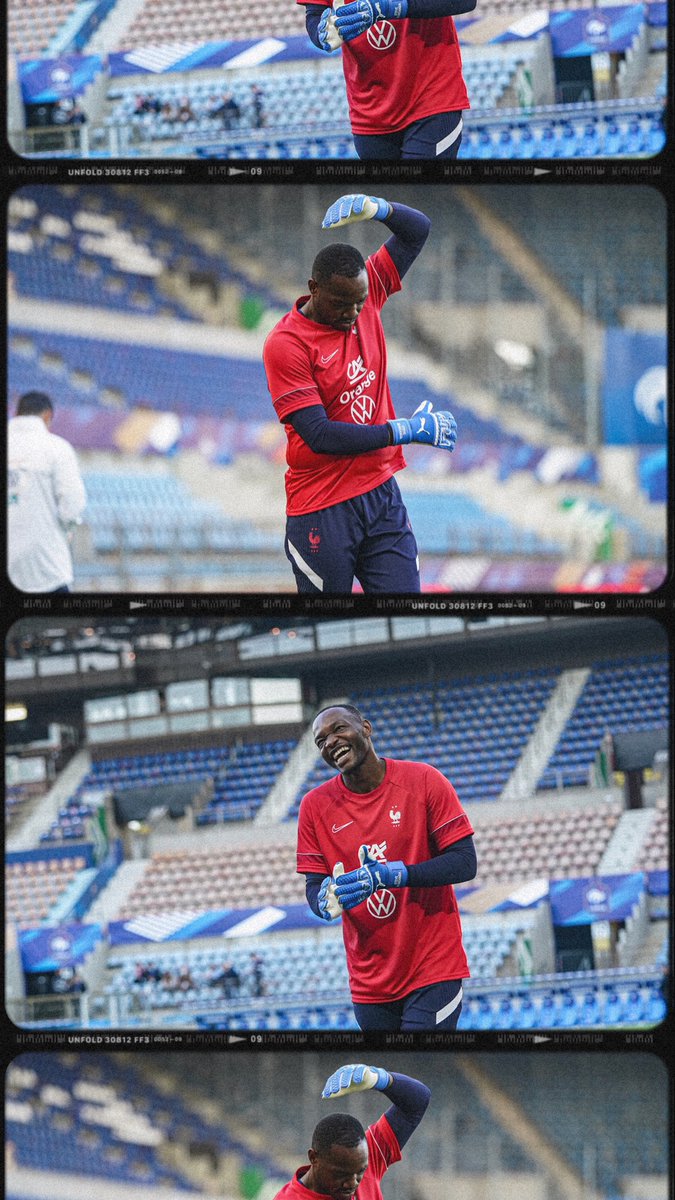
(344, 1158)
(409, 1098)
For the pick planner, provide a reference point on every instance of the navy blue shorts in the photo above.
(438, 136)
(436, 1007)
(368, 538)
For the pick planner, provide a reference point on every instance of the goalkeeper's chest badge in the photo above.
(395, 815)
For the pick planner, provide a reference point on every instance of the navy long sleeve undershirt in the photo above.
(410, 1099)
(410, 230)
(324, 436)
(416, 8)
(457, 864)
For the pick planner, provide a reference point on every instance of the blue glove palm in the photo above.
(356, 886)
(355, 1077)
(327, 901)
(329, 39)
(354, 19)
(356, 207)
(425, 426)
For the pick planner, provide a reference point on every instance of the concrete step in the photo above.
(626, 842)
(107, 905)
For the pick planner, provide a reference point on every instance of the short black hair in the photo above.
(347, 707)
(337, 259)
(338, 1129)
(33, 404)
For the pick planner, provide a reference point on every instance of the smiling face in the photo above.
(338, 300)
(337, 1171)
(343, 739)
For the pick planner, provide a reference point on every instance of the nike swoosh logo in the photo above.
(327, 357)
(337, 828)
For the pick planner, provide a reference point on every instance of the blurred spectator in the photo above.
(257, 974)
(226, 107)
(185, 982)
(45, 496)
(257, 102)
(228, 978)
(77, 114)
(185, 111)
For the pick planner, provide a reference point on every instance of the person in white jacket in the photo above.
(45, 498)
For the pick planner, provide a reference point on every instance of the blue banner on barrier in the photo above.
(658, 883)
(223, 922)
(51, 948)
(190, 56)
(606, 898)
(47, 80)
(82, 850)
(247, 922)
(590, 30)
(634, 394)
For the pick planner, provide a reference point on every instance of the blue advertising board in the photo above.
(46, 80)
(597, 898)
(587, 31)
(57, 946)
(634, 392)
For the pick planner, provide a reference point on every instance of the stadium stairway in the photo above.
(627, 841)
(544, 739)
(647, 952)
(27, 836)
(111, 31)
(528, 266)
(113, 897)
(504, 1108)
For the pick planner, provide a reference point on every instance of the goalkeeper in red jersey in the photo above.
(381, 845)
(403, 72)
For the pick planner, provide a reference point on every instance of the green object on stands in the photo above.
(251, 1179)
(251, 310)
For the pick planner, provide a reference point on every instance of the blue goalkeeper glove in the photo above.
(329, 38)
(354, 19)
(425, 425)
(356, 207)
(327, 902)
(356, 886)
(355, 1077)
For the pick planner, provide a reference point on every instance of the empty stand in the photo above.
(33, 888)
(618, 698)
(241, 777)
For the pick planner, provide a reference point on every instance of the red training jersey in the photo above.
(408, 938)
(307, 363)
(383, 1151)
(398, 72)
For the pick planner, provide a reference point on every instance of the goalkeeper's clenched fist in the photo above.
(372, 876)
(427, 427)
